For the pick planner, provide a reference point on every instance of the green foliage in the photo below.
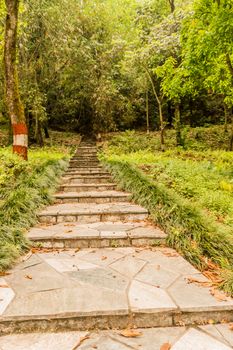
(24, 188)
(188, 194)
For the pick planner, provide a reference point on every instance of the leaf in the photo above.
(4, 274)
(231, 326)
(80, 341)
(4, 286)
(103, 257)
(28, 277)
(218, 295)
(131, 333)
(166, 346)
(200, 283)
(170, 254)
(27, 256)
(68, 231)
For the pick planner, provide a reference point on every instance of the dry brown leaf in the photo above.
(68, 231)
(77, 250)
(211, 322)
(27, 256)
(80, 342)
(170, 254)
(218, 295)
(4, 286)
(103, 257)
(3, 273)
(28, 277)
(166, 346)
(131, 333)
(231, 326)
(200, 283)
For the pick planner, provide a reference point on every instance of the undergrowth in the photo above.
(189, 195)
(24, 188)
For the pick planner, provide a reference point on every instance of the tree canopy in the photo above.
(105, 65)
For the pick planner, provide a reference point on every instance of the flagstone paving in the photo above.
(210, 337)
(99, 263)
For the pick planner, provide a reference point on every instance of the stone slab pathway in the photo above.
(99, 266)
(210, 337)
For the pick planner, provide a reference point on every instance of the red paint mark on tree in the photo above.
(20, 150)
(19, 129)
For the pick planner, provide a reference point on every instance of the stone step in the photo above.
(85, 168)
(85, 153)
(83, 173)
(92, 197)
(84, 158)
(97, 235)
(212, 337)
(86, 179)
(87, 187)
(84, 163)
(86, 213)
(108, 288)
(87, 148)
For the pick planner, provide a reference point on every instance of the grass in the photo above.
(25, 187)
(188, 192)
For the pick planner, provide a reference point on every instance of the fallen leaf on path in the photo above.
(231, 327)
(28, 277)
(4, 274)
(4, 286)
(80, 341)
(166, 346)
(170, 254)
(131, 333)
(211, 322)
(68, 231)
(200, 283)
(77, 250)
(27, 256)
(220, 296)
(103, 257)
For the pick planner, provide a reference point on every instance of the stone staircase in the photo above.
(101, 264)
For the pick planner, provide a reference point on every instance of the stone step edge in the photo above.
(94, 184)
(100, 194)
(78, 242)
(77, 321)
(91, 218)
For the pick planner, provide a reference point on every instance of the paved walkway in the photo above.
(102, 265)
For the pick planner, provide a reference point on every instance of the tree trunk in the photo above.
(231, 136)
(46, 130)
(13, 102)
(177, 125)
(147, 114)
(172, 5)
(225, 117)
(162, 124)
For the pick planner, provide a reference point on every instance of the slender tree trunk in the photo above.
(231, 136)
(13, 102)
(229, 64)
(147, 114)
(46, 131)
(172, 5)
(177, 125)
(162, 125)
(225, 117)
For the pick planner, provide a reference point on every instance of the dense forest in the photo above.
(113, 65)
